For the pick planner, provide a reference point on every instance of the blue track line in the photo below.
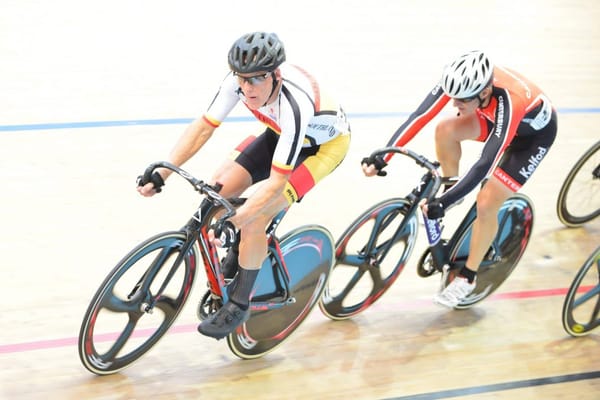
(179, 121)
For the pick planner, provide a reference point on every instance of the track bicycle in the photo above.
(579, 197)
(374, 249)
(143, 295)
(581, 308)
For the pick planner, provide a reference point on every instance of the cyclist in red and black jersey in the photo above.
(517, 124)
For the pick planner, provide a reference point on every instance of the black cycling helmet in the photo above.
(256, 51)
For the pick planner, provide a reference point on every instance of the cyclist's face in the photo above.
(470, 105)
(256, 87)
(466, 106)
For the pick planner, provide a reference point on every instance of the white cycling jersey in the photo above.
(302, 114)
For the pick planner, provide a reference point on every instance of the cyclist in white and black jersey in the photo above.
(301, 117)
(306, 137)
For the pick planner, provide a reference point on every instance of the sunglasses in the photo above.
(468, 99)
(253, 80)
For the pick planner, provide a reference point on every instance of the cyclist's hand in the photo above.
(153, 186)
(224, 233)
(373, 165)
(434, 209)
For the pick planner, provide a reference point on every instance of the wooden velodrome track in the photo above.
(92, 93)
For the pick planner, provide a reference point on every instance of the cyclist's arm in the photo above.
(193, 138)
(201, 129)
(435, 101)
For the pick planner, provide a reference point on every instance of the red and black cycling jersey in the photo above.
(518, 108)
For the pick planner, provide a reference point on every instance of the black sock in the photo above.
(468, 273)
(240, 288)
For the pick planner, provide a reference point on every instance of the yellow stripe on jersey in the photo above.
(281, 168)
(211, 121)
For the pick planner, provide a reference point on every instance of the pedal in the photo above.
(425, 267)
(209, 305)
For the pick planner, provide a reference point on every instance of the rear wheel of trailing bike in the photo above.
(581, 308)
(579, 197)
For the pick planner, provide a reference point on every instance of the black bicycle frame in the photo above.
(426, 190)
(196, 230)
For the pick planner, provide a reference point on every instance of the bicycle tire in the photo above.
(579, 196)
(308, 252)
(360, 277)
(119, 301)
(515, 224)
(579, 302)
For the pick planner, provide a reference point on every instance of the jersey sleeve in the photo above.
(223, 102)
(435, 101)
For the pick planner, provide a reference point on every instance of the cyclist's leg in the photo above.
(512, 172)
(252, 252)
(485, 226)
(519, 162)
(243, 168)
(248, 164)
(489, 200)
(449, 134)
(311, 167)
(256, 158)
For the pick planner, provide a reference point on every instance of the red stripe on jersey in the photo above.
(266, 120)
(302, 180)
(315, 88)
(211, 122)
(418, 123)
(242, 146)
(285, 170)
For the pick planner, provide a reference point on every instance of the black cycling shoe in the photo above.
(224, 321)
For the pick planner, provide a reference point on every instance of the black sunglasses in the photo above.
(253, 80)
(468, 99)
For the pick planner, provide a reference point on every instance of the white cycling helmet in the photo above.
(468, 75)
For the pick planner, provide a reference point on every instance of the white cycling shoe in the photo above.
(455, 292)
